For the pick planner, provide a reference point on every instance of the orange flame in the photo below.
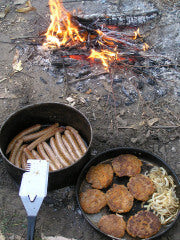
(136, 34)
(61, 28)
(145, 47)
(105, 56)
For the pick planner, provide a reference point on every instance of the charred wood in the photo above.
(120, 20)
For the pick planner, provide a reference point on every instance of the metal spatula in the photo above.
(33, 189)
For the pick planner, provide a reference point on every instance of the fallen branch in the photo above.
(86, 77)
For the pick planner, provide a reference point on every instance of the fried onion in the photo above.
(164, 202)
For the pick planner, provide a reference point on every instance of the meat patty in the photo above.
(144, 224)
(141, 187)
(113, 225)
(119, 199)
(92, 200)
(126, 165)
(100, 176)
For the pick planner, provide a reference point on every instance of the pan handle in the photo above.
(31, 227)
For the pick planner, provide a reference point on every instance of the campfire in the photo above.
(80, 50)
(94, 38)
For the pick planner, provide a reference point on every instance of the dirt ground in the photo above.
(147, 119)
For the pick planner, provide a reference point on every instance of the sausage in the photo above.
(51, 155)
(69, 148)
(44, 137)
(78, 138)
(18, 158)
(58, 153)
(28, 153)
(38, 134)
(73, 142)
(62, 148)
(15, 149)
(36, 155)
(21, 134)
(24, 161)
(43, 155)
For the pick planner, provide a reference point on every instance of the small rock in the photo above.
(155, 148)
(134, 140)
(43, 80)
(70, 99)
(148, 133)
(83, 100)
(161, 92)
(122, 112)
(93, 152)
(162, 150)
(123, 122)
(173, 149)
(151, 81)
(140, 85)
(19, 2)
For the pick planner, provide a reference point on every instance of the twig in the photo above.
(161, 126)
(6, 42)
(86, 77)
(66, 77)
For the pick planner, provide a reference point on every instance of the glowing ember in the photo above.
(65, 30)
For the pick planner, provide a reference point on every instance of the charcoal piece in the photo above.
(83, 73)
(43, 80)
(140, 85)
(117, 80)
(131, 100)
(151, 81)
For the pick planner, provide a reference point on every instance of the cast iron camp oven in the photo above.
(149, 160)
(47, 114)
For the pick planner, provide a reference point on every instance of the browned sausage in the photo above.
(28, 153)
(62, 148)
(44, 156)
(69, 148)
(15, 150)
(38, 134)
(24, 161)
(58, 153)
(18, 158)
(44, 137)
(51, 155)
(73, 142)
(21, 134)
(36, 155)
(78, 138)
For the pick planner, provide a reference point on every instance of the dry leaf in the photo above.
(152, 121)
(89, 91)
(17, 64)
(5, 12)
(26, 9)
(138, 125)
